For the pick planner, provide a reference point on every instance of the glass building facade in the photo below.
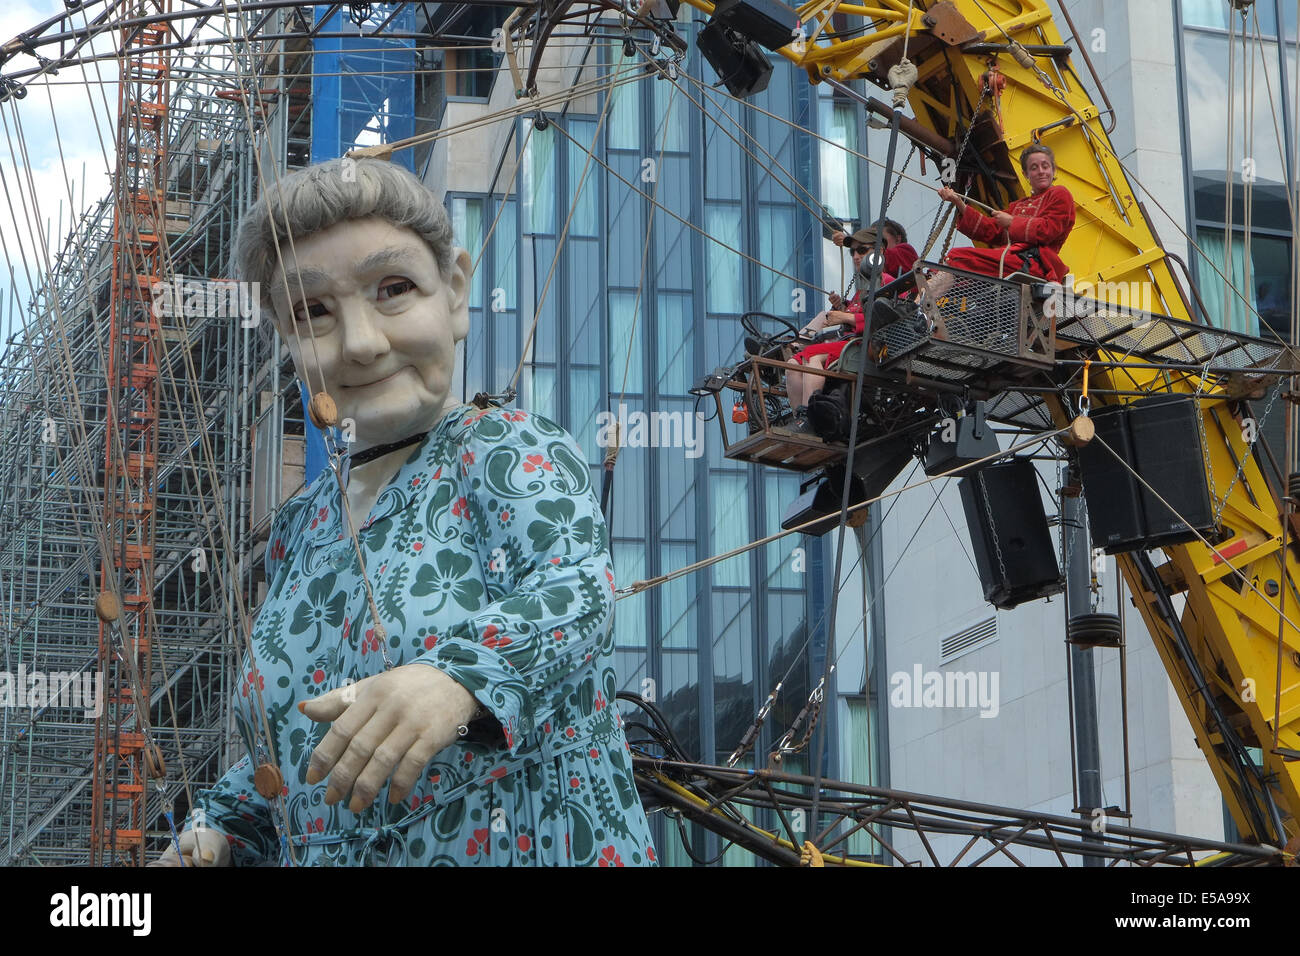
(1241, 77)
(1254, 85)
(693, 209)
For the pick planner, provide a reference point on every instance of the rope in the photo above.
(564, 234)
(644, 585)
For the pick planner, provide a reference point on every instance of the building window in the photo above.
(1214, 14)
(1245, 286)
(1256, 152)
(1259, 299)
(839, 167)
(469, 72)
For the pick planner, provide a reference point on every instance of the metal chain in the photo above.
(1205, 454)
(946, 207)
(907, 162)
(1259, 430)
(813, 710)
(988, 508)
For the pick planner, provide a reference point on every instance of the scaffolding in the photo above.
(192, 422)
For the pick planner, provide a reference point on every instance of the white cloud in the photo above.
(66, 122)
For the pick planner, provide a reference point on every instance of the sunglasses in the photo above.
(861, 250)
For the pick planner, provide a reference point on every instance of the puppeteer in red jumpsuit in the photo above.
(1027, 237)
(1043, 220)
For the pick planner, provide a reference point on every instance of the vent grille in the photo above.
(963, 642)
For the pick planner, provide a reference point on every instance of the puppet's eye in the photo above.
(310, 310)
(392, 288)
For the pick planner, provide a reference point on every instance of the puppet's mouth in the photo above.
(379, 381)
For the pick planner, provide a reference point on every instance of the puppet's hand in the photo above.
(390, 724)
(205, 847)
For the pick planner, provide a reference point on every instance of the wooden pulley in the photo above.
(1081, 431)
(107, 607)
(154, 765)
(268, 781)
(322, 411)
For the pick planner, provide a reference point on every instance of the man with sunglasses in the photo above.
(899, 254)
(898, 258)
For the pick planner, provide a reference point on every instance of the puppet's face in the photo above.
(377, 321)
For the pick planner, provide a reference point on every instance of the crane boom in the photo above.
(1224, 649)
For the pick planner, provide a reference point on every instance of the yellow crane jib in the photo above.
(995, 76)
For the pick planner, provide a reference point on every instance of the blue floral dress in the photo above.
(489, 559)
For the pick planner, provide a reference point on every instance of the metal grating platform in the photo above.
(1160, 340)
(981, 325)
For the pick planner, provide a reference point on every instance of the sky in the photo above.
(44, 181)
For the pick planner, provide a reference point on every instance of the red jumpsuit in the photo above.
(1044, 220)
(832, 350)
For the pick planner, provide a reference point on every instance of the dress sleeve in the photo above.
(544, 550)
(1053, 223)
(978, 226)
(234, 808)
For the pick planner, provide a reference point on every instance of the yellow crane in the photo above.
(1233, 654)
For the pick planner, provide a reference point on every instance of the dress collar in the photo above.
(398, 495)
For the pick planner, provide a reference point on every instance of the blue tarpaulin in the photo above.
(363, 93)
(363, 88)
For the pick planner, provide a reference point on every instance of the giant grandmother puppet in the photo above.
(431, 679)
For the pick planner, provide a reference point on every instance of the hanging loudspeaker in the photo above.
(768, 22)
(739, 63)
(961, 441)
(1171, 459)
(1159, 438)
(1013, 548)
(1115, 519)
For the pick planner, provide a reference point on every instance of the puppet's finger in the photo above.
(380, 766)
(336, 742)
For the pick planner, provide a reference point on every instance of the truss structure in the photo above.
(767, 812)
(180, 417)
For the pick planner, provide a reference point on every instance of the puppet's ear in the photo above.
(457, 279)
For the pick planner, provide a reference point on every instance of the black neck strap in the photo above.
(378, 451)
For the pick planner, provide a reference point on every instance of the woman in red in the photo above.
(1026, 238)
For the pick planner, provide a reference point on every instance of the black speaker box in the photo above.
(768, 22)
(1160, 439)
(822, 500)
(742, 67)
(1115, 519)
(1171, 458)
(1009, 535)
(880, 463)
(974, 439)
(874, 467)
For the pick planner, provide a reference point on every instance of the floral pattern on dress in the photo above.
(489, 559)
